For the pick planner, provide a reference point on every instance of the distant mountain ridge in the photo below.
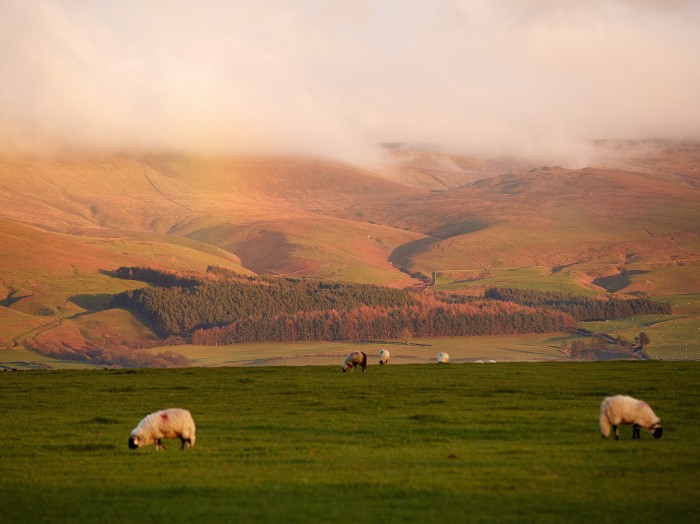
(316, 217)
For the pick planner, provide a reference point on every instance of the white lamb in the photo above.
(384, 356)
(443, 358)
(168, 423)
(622, 409)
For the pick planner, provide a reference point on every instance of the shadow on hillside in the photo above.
(402, 256)
(92, 303)
(266, 252)
(463, 227)
(110, 273)
(617, 282)
(14, 297)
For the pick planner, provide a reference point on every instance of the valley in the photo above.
(627, 224)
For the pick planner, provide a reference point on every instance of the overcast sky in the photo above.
(330, 77)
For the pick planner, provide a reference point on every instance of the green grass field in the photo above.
(514, 348)
(673, 337)
(536, 277)
(506, 442)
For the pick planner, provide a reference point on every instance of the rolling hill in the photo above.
(593, 222)
(628, 223)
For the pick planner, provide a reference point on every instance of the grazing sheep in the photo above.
(384, 356)
(622, 409)
(354, 359)
(443, 358)
(168, 423)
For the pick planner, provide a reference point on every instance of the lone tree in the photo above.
(642, 339)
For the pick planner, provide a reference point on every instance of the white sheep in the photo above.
(384, 356)
(443, 358)
(622, 409)
(168, 423)
(354, 359)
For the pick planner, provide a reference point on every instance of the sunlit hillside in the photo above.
(314, 217)
(592, 223)
(626, 224)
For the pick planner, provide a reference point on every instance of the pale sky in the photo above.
(333, 77)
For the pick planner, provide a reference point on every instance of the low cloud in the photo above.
(335, 78)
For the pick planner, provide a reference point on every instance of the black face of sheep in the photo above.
(656, 430)
(133, 443)
(623, 409)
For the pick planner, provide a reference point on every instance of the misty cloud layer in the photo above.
(334, 77)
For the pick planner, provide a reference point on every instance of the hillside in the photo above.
(593, 222)
(276, 215)
(626, 224)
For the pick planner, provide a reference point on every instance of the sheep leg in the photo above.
(635, 431)
(159, 445)
(617, 432)
(604, 426)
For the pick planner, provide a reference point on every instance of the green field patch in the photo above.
(535, 277)
(25, 359)
(418, 351)
(509, 442)
(684, 304)
(672, 337)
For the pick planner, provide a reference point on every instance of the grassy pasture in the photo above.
(511, 442)
(536, 277)
(515, 348)
(670, 280)
(673, 337)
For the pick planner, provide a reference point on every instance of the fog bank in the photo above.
(333, 78)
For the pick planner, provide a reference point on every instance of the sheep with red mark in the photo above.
(443, 358)
(384, 356)
(354, 359)
(623, 409)
(168, 423)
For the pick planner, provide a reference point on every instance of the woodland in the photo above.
(223, 307)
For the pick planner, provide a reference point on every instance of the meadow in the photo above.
(504, 442)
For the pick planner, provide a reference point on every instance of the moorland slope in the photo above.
(627, 223)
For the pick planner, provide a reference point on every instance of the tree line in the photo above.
(224, 297)
(224, 307)
(580, 307)
(424, 317)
